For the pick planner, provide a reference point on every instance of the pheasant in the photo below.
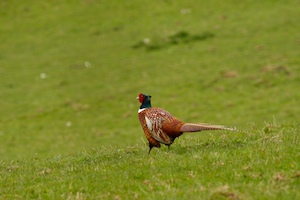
(161, 127)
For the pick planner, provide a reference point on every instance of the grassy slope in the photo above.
(260, 164)
(246, 73)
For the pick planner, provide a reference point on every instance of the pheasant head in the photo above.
(145, 101)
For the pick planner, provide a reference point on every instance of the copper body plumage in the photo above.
(160, 126)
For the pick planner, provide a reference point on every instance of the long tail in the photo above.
(190, 127)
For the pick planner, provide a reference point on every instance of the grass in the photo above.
(259, 164)
(71, 72)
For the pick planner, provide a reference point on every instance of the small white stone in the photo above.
(147, 40)
(68, 124)
(87, 64)
(43, 75)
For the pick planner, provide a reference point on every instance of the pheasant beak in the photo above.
(137, 98)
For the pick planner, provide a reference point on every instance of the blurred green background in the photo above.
(70, 71)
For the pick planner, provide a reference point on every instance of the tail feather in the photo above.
(190, 127)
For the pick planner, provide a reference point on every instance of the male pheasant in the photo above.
(161, 127)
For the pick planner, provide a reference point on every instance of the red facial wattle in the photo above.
(141, 98)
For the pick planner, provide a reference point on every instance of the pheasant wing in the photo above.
(154, 119)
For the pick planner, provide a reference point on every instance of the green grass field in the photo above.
(70, 73)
